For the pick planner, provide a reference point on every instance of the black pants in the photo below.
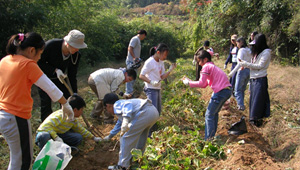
(259, 99)
(46, 107)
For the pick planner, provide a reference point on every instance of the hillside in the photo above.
(272, 146)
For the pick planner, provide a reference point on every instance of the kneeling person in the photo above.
(137, 117)
(55, 126)
(105, 81)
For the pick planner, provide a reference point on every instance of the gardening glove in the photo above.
(194, 62)
(98, 139)
(58, 139)
(172, 67)
(107, 138)
(154, 83)
(60, 75)
(124, 127)
(186, 81)
(225, 66)
(67, 112)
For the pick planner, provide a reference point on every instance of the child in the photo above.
(153, 72)
(55, 127)
(243, 74)
(137, 117)
(214, 77)
(259, 95)
(19, 71)
(107, 80)
(208, 49)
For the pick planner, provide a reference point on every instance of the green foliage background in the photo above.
(108, 31)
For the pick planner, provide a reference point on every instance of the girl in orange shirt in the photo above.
(18, 72)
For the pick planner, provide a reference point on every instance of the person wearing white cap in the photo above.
(60, 59)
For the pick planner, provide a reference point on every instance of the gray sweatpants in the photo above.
(136, 136)
(18, 135)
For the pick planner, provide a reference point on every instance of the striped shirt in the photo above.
(54, 124)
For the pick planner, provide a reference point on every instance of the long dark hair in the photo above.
(202, 54)
(260, 44)
(21, 41)
(160, 47)
(243, 41)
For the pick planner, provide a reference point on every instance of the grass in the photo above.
(281, 130)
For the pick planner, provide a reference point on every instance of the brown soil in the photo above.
(272, 146)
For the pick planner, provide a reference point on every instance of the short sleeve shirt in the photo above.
(135, 43)
(153, 71)
(17, 75)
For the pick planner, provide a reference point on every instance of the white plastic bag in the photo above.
(54, 156)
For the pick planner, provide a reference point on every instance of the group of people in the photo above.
(49, 65)
(247, 63)
(52, 67)
(251, 63)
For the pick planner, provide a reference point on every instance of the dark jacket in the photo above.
(52, 58)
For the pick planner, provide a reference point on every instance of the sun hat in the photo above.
(75, 38)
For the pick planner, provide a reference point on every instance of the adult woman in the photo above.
(232, 58)
(19, 71)
(242, 76)
(259, 95)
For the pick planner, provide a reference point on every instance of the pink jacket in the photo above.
(213, 76)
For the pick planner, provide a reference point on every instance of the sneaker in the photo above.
(257, 123)
(116, 167)
(242, 108)
(74, 151)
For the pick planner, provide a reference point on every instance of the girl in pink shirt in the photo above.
(214, 77)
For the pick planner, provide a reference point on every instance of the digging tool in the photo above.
(111, 150)
(92, 128)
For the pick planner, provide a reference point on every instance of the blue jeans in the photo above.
(71, 138)
(212, 112)
(241, 81)
(129, 85)
(155, 97)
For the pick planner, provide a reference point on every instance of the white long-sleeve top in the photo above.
(259, 64)
(107, 80)
(244, 54)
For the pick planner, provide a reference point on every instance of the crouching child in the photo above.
(137, 117)
(56, 127)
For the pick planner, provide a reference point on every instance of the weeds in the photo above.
(173, 148)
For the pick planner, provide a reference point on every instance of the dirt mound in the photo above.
(93, 156)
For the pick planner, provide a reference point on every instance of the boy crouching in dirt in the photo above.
(137, 117)
(56, 126)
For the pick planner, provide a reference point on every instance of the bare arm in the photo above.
(130, 49)
(144, 78)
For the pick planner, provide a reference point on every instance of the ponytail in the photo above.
(160, 47)
(21, 41)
